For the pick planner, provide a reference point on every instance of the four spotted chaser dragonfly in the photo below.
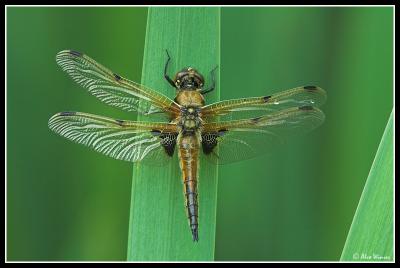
(225, 131)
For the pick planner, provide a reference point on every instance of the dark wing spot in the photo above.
(67, 113)
(266, 98)
(222, 132)
(310, 88)
(119, 122)
(117, 77)
(75, 53)
(209, 141)
(155, 132)
(256, 119)
(306, 108)
(168, 141)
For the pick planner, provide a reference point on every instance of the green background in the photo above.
(66, 202)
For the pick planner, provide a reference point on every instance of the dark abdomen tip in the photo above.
(192, 209)
(195, 233)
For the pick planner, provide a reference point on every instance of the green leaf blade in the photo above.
(371, 234)
(158, 229)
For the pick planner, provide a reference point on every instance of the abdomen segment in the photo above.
(189, 162)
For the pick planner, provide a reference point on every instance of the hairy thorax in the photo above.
(191, 98)
(191, 101)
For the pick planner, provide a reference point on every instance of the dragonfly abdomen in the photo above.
(189, 146)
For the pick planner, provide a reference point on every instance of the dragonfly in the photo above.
(224, 132)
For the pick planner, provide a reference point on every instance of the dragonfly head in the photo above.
(189, 79)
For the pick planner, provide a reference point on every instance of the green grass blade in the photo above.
(371, 233)
(158, 228)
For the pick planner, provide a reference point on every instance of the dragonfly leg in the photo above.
(170, 81)
(212, 87)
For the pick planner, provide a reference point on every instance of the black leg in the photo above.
(212, 87)
(170, 81)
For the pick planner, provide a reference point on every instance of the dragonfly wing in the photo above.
(258, 106)
(231, 141)
(113, 89)
(124, 140)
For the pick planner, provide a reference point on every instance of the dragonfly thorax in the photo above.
(190, 120)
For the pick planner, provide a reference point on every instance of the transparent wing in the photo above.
(237, 140)
(124, 140)
(258, 106)
(112, 88)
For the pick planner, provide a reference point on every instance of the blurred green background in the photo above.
(67, 202)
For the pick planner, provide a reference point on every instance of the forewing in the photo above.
(259, 106)
(124, 140)
(112, 88)
(243, 139)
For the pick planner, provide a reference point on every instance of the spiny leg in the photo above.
(170, 81)
(212, 87)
